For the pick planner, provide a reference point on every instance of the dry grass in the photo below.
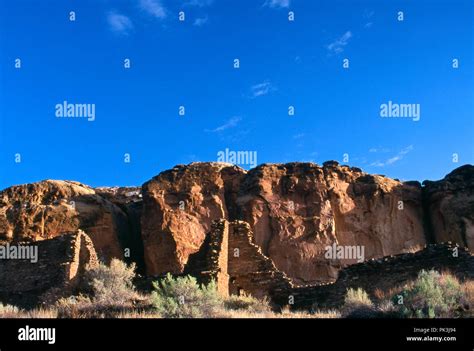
(286, 313)
(8, 311)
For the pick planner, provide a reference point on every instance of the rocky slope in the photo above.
(294, 211)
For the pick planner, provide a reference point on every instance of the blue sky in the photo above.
(191, 63)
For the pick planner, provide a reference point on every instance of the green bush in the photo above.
(432, 295)
(183, 297)
(111, 285)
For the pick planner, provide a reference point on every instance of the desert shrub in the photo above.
(84, 307)
(357, 304)
(468, 292)
(431, 295)
(183, 297)
(356, 298)
(73, 307)
(247, 303)
(107, 291)
(111, 285)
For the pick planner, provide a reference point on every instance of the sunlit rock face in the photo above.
(46, 209)
(296, 210)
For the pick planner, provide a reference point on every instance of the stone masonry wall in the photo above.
(250, 271)
(211, 261)
(383, 274)
(60, 267)
(229, 256)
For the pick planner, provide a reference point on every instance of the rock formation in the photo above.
(297, 209)
(179, 206)
(450, 207)
(46, 209)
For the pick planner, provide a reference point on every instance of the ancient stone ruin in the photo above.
(59, 269)
(230, 257)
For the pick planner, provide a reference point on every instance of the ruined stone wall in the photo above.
(229, 257)
(211, 261)
(59, 269)
(250, 271)
(384, 274)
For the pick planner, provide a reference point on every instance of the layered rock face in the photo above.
(179, 206)
(296, 210)
(450, 207)
(46, 209)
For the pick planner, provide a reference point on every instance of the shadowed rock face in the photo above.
(450, 206)
(179, 206)
(46, 209)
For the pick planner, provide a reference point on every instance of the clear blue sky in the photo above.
(190, 63)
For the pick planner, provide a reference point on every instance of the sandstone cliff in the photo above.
(179, 206)
(450, 207)
(296, 210)
(46, 209)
